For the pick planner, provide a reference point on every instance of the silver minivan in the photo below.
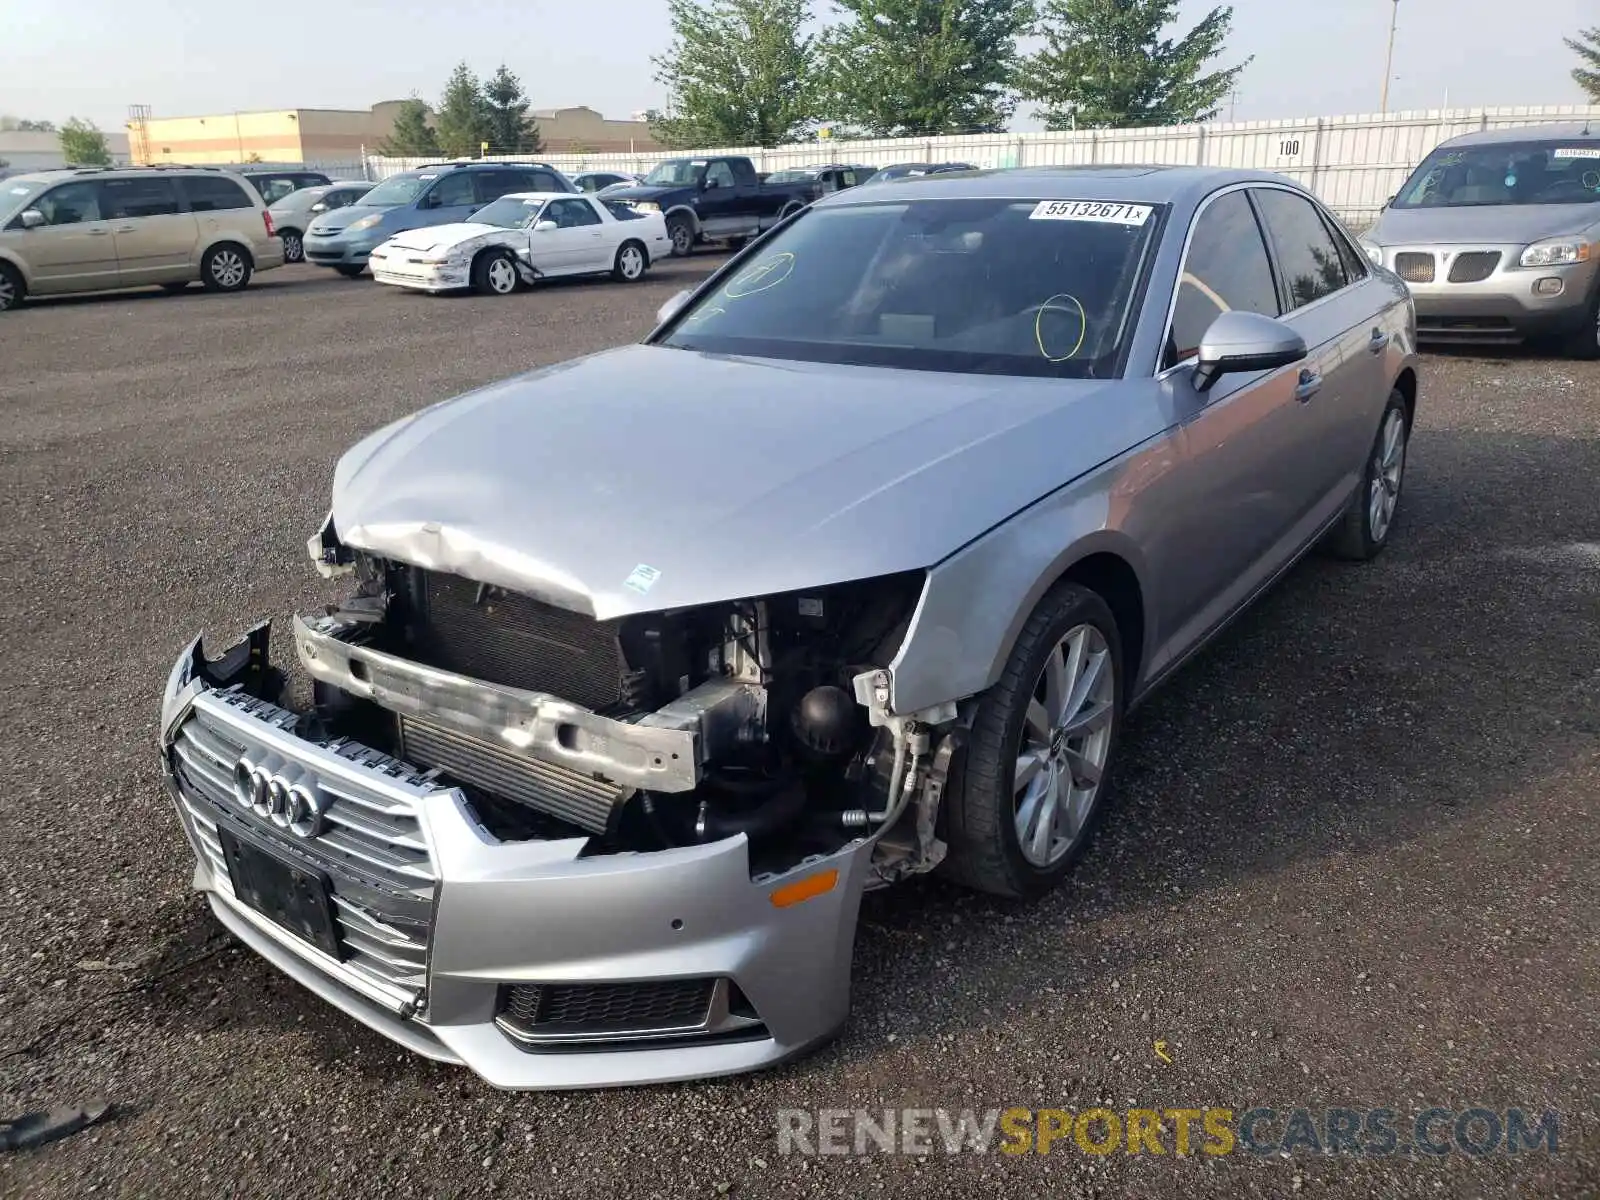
(1498, 236)
(88, 230)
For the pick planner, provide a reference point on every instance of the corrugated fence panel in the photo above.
(1354, 163)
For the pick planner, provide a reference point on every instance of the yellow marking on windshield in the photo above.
(760, 276)
(1038, 326)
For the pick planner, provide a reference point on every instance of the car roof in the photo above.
(58, 174)
(1576, 131)
(1135, 184)
(546, 196)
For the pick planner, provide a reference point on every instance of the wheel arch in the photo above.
(683, 210)
(633, 241)
(1406, 385)
(228, 238)
(16, 264)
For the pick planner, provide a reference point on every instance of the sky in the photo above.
(94, 58)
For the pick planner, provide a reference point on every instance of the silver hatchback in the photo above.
(1498, 236)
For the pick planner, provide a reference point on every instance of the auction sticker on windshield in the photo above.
(1091, 210)
(1577, 152)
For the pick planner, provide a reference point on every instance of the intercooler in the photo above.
(506, 638)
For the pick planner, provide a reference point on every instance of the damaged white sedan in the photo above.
(521, 238)
(651, 662)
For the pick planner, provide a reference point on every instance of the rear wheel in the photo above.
(1033, 783)
(12, 289)
(631, 263)
(225, 268)
(350, 270)
(294, 249)
(495, 273)
(1373, 511)
(682, 234)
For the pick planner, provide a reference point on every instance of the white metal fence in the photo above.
(1354, 163)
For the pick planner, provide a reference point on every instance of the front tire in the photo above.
(1034, 781)
(294, 249)
(682, 234)
(494, 273)
(1584, 342)
(225, 268)
(1375, 508)
(12, 287)
(631, 264)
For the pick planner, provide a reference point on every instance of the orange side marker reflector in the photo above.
(805, 889)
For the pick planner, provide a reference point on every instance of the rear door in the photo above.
(75, 250)
(1335, 315)
(155, 232)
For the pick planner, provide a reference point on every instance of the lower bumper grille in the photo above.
(608, 1009)
(372, 851)
(514, 640)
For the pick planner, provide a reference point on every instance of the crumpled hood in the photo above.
(1497, 224)
(442, 237)
(650, 478)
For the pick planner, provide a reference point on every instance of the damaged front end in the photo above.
(504, 831)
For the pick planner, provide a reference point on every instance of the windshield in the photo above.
(398, 189)
(508, 212)
(15, 194)
(1009, 287)
(1546, 172)
(675, 172)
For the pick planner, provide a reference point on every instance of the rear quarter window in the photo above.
(212, 193)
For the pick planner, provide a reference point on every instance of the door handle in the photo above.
(1379, 340)
(1310, 384)
(97, 232)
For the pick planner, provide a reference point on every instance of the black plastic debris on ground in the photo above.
(37, 1128)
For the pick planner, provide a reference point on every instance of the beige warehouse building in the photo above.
(338, 135)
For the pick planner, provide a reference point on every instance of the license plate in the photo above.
(282, 891)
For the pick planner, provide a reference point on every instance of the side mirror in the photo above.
(1245, 341)
(544, 226)
(1389, 201)
(670, 309)
(32, 218)
(320, 206)
(708, 183)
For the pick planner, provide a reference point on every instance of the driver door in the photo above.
(74, 250)
(570, 247)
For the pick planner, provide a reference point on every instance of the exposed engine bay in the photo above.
(793, 747)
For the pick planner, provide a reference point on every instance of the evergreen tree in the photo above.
(411, 136)
(739, 72)
(462, 122)
(1587, 47)
(511, 131)
(1106, 64)
(924, 67)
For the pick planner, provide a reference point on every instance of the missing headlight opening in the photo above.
(755, 717)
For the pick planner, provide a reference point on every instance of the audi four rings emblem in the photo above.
(295, 805)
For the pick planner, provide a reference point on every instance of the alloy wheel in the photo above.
(502, 276)
(293, 249)
(1388, 469)
(632, 262)
(1066, 739)
(682, 238)
(8, 292)
(227, 268)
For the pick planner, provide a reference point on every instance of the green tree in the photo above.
(412, 136)
(463, 119)
(84, 145)
(1587, 47)
(511, 130)
(740, 73)
(1106, 64)
(26, 126)
(898, 68)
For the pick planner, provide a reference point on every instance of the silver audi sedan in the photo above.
(651, 662)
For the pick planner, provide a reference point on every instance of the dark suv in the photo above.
(435, 195)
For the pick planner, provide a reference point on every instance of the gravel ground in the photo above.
(1353, 863)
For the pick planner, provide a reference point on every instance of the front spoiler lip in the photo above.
(542, 912)
(532, 723)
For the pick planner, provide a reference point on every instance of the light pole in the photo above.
(1388, 62)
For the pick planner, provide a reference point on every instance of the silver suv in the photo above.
(1498, 236)
(101, 228)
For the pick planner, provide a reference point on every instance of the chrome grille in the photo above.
(514, 640)
(1414, 267)
(547, 787)
(1474, 266)
(373, 852)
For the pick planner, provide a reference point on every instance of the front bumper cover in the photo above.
(498, 913)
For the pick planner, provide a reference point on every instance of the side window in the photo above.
(1227, 270)
(719, 174)
(570, 214)
(1311, 265)
(456, 189)
(275, 187)
(71, 204)
(140, 197)
(212, 193)
(543, 181)
(1355, 263)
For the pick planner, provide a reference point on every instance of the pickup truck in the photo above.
(714, 199)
